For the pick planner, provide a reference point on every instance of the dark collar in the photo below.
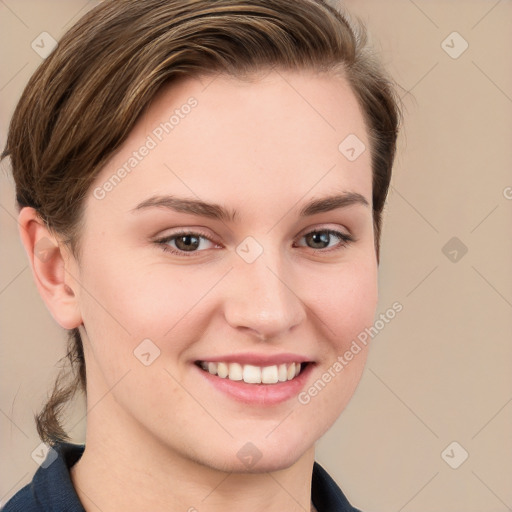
(52, 489)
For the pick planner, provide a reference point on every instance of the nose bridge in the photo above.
(262, 299)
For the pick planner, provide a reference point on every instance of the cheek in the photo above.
(129, 300)
(345, 301)
(345, 304)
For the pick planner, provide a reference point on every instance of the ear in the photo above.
(50, 262)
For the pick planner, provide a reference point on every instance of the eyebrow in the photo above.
(216, 211)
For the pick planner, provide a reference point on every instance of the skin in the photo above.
(159, 437)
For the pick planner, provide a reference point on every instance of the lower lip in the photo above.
(259, 394)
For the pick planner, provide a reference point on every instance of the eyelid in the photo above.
(200, 231)
(192, 230)
(325, 227)
(182, 232)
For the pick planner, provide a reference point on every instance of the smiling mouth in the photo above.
(251, 374)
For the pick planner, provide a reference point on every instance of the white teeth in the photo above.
(253, 374)
(235, 371)
(269, 375)
(222, 370)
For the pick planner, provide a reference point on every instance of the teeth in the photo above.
(235, 371)
(291, 371)
(282, 373)
(222, 370)
(253, 374)
(269, 375)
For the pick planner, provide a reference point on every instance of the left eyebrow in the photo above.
(215, 211)
(326, 204)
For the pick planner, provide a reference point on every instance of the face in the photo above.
(210, 245)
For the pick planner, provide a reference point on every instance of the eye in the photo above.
(320, 239)
(184, 242)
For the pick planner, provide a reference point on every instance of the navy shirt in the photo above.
(51, 488)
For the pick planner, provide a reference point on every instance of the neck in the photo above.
(127, 469)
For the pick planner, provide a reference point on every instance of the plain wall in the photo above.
(440, 371)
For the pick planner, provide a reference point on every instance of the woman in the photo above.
(200, 187)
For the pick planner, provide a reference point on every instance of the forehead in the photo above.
(283, 135)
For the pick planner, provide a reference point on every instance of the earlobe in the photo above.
(48, 262)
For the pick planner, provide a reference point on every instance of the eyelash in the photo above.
(345, 241)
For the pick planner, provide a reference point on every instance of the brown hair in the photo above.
(84, 99)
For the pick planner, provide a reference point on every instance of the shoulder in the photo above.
(326, 494)
(51, 487)
(22, 501)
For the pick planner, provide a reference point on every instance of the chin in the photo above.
(267, 463)
(254, 458)
(277, 457)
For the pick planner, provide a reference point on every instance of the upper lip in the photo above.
(259, 359)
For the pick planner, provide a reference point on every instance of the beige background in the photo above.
(441, 370)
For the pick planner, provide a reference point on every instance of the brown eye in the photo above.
(184, 242)
(187, 242)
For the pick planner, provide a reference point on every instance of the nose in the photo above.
(262, 298)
